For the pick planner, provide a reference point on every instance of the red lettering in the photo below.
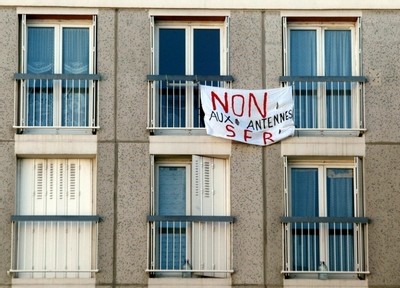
(267, 136)
(241, 105)
(231, 129)
(262, 112)
(224, 104)
(246, 135)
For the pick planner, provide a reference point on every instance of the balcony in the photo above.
(328, 105)
(339, 242)
(190, 246)
(174, 102)
(66, 103)
(54, 246)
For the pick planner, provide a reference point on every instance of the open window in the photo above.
(190, 226)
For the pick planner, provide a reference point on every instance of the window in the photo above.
(57, 83)
(185, 53)
(322, 64)
(190, 222)
(53, 228)
(325, 222)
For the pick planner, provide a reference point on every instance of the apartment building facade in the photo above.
(109, 179)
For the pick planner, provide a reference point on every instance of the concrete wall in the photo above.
(8, 66)
(382, 173)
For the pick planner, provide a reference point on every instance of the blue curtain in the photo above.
(75, 93)
(40, 60)
(338, 62)
(171, 201)
(340, 204)
(303, 62)
(305, 236)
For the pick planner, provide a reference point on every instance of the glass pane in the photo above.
(305, 236)
(338, 62)
(303, 53)
(40, 60)
(340, 203)
(206, 52)
(303, 62)
(75, 93)
(172, 61)
(171, 201)
(172, 46)
(207, 61)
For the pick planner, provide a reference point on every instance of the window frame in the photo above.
(58, 79)
(192, 227)
(359, 245)
(187, 82)
(320, 80)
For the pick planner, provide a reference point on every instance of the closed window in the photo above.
(325, 217)
(186, 53)
(53, 239)
(190, 195)
(58, 86)
(322, 65)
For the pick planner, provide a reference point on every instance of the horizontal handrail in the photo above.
(195, 78)
(30, 76)
(323, 79)
(71, 218)
(356, 220)
(157, 218)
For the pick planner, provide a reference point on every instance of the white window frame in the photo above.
(58, 25)
(189, 27)
(357, 121)
(195, 189)
(359, 244)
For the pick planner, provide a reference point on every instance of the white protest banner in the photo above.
(259, 117)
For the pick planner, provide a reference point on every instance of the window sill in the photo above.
(332, 283)
(53, 282)
(189, 282)
(36, 145)
(325, 132)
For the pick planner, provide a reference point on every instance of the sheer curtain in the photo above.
(75, 93)
(40, 60)
(338, 62)
(303, 62)
(305, 237)
(340, 204)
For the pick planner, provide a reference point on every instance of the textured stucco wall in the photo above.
(246, 162)
(123, 186)
(8, 66)
(382, 174)
(133, 54)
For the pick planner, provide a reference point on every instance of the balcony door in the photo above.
(57, 47)
(327, 49)
(191, 188)
(181, 49)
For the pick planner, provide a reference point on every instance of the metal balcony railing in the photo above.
(190, 246)
(328, 104)
(339, 242)
(61, 101)
(174, 100)
(54, 246)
